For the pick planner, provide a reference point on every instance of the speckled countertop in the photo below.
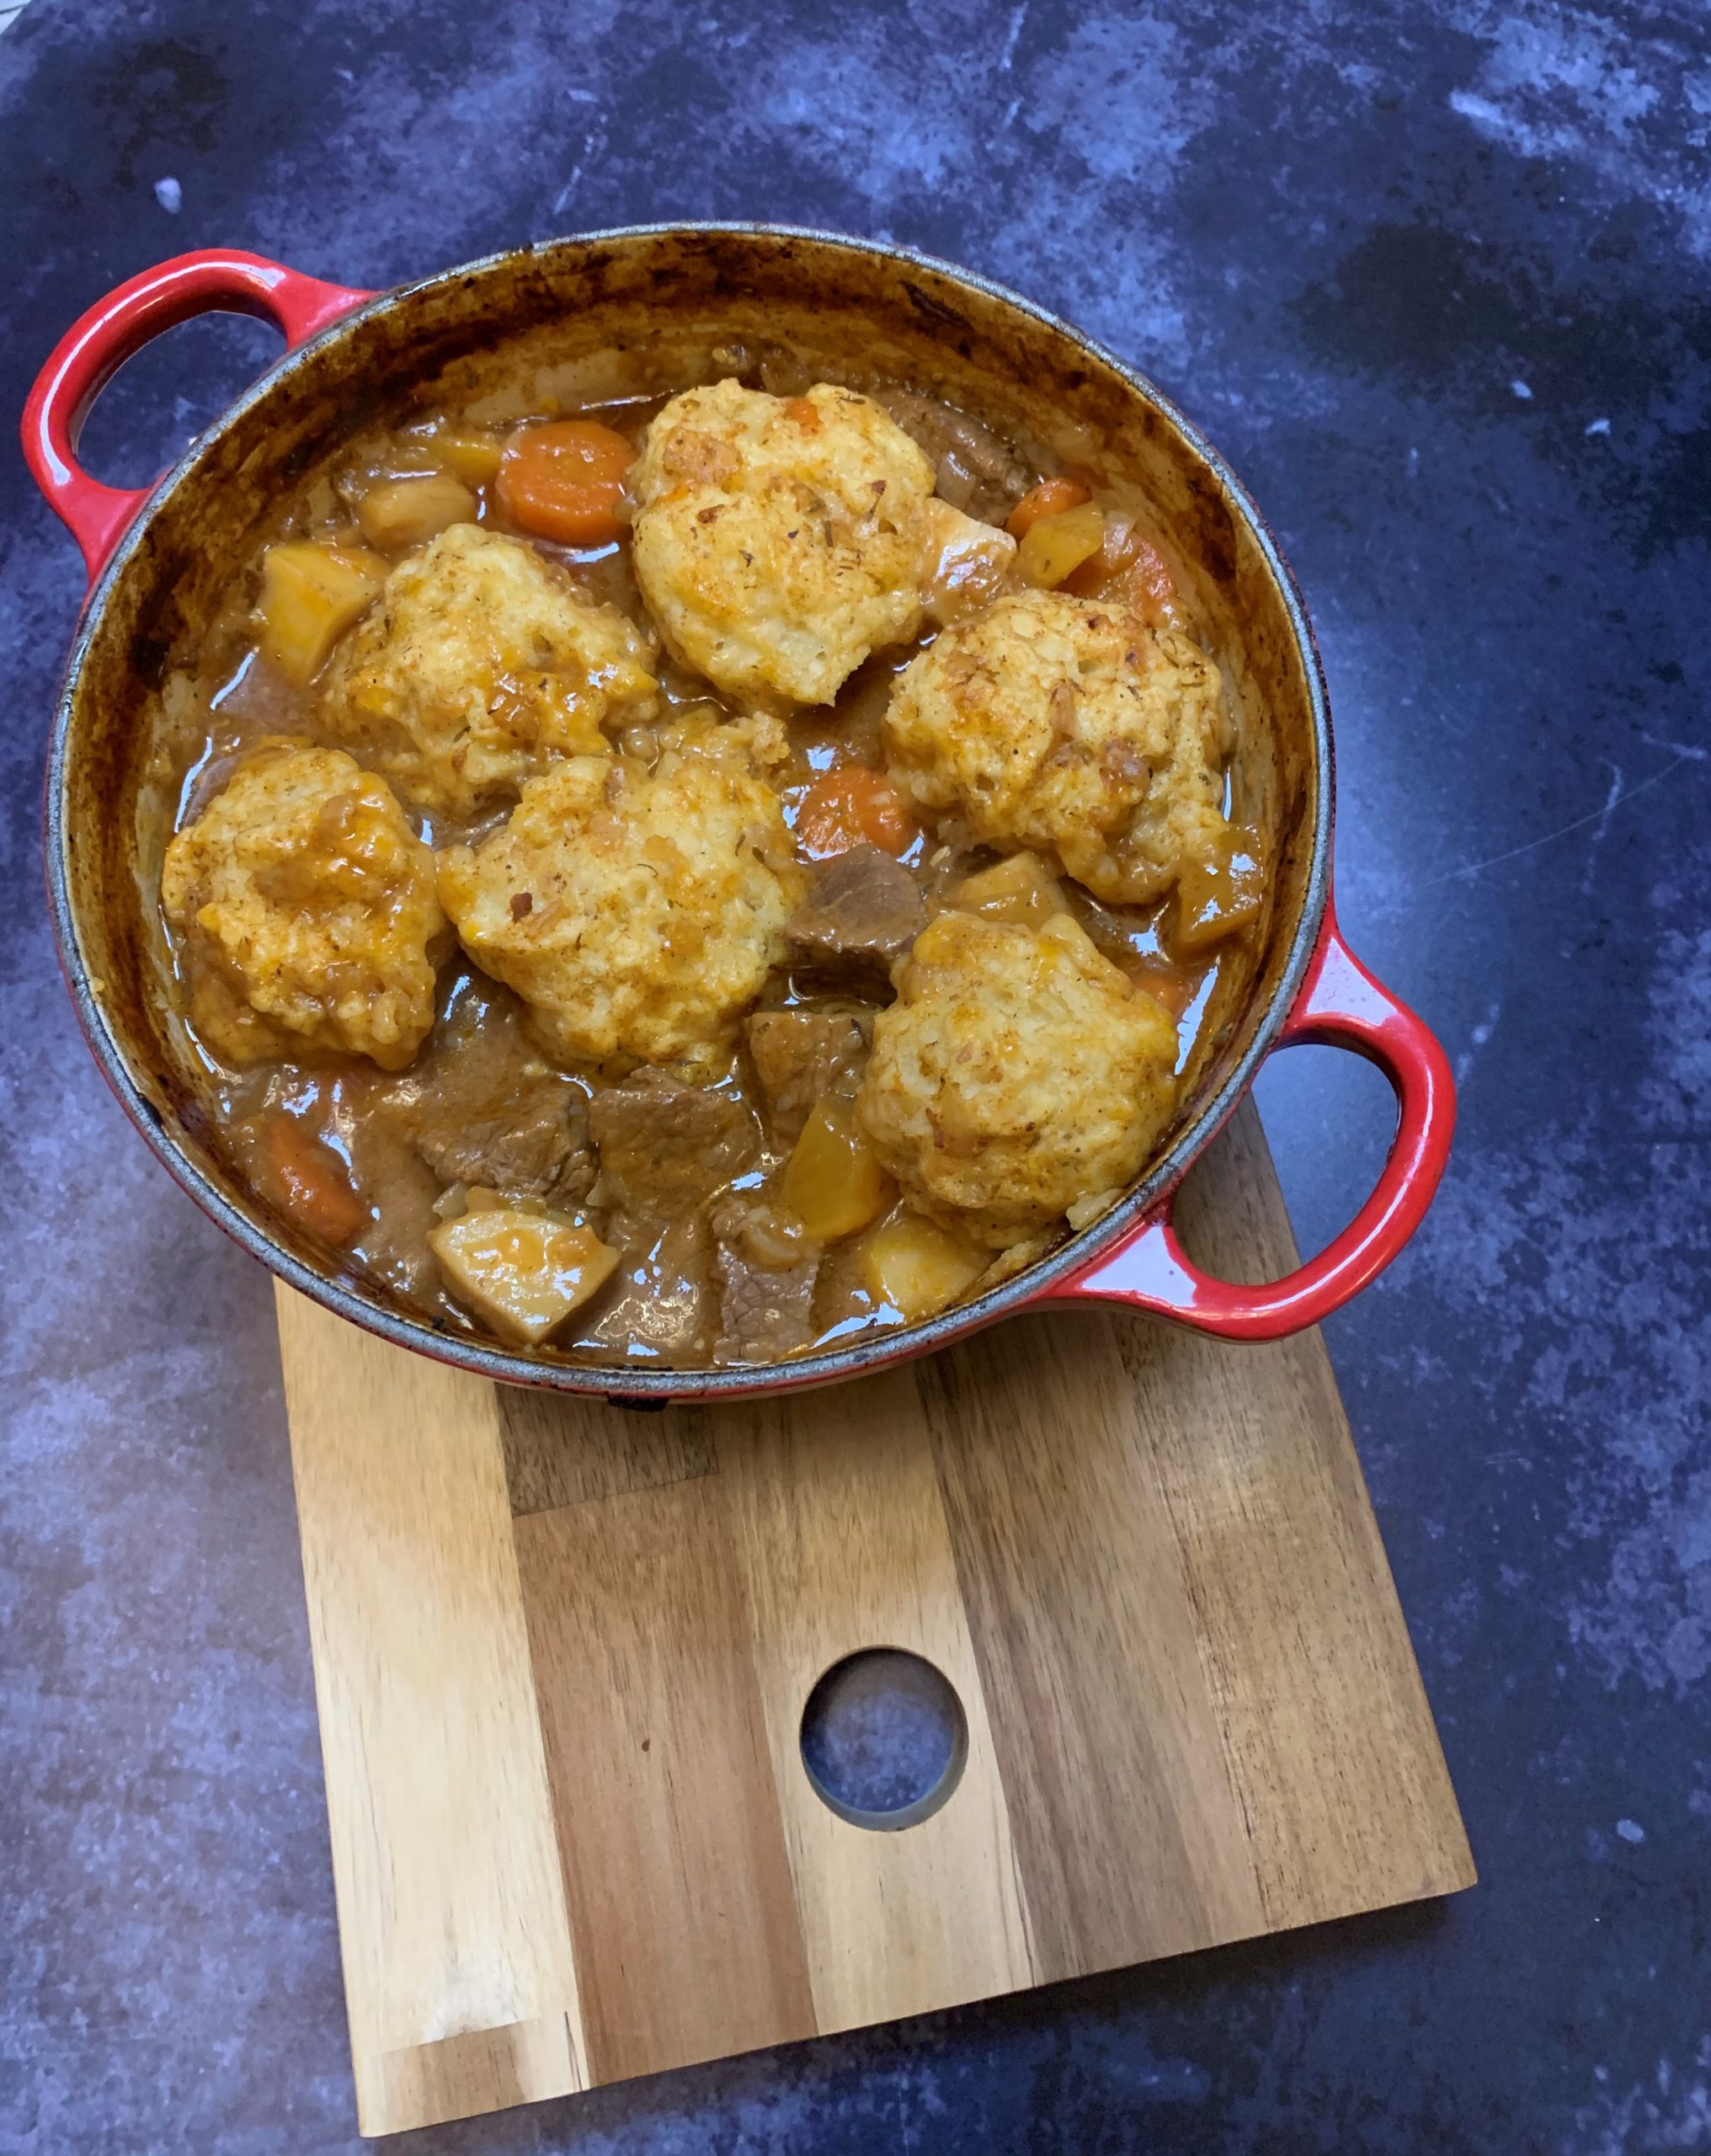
(1435, 276)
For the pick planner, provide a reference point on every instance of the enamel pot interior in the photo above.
(570, 322)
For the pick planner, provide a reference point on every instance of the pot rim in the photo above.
(647, 1386)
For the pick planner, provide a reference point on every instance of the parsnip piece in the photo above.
(1221, 892)
(310, 595)
(524, 1272)
(398, 513)
(468, 453)
(1021, 890)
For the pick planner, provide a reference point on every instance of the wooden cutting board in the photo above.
(561, 1653)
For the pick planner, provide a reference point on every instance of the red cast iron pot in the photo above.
(160, 559)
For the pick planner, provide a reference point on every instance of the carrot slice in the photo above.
(852, 806)
(309, 1182)
(564, 480)
(1049, 499)
(804, 413)
(1128, 567)
(1152, 588)
(1117, 551)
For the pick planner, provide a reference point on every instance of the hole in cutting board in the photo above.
(884, 1738)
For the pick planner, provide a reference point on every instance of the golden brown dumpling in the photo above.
(1067, 726)
(1018, 1071)
(778, 541)
(480, 666)
(308, 910)
(636, 912)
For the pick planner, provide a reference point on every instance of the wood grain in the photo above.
(452, 1908)
(1327, 1730)
(565, 1451)
(1127, 1495)
(842, 1543)
(677, 1883)
(563, 1651)
(1131, 1840)
(460, 2077)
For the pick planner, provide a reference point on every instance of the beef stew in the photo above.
(673, 890)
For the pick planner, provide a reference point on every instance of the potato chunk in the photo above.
(1022, 890)
(524, 1272)
(482, 666)
(310, 595)
(307, 909)
(917, 1266)
(1055, 546)
(469, 453)
(833, 1182)
(1221, 892)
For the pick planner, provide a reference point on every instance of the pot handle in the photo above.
(215, 280)
(1339, 1006)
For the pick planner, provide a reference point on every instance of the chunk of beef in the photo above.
(864, 911)
(481, 1106)
(764, 1316)
(974, 470)
(661, 1304)
(766, 1270)
(665, 1147)
(798, 1055)
(537, 1150)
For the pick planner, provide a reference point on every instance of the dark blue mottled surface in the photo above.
(1438, 278)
